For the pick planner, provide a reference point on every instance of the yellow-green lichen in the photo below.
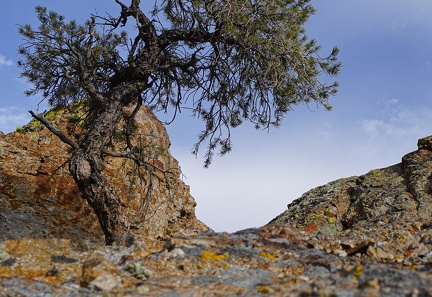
(210, 257)
(357, 271)
(263, 289)
(138, 270)
(206, 255)
(267, 255)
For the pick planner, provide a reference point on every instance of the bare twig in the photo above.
(54, 130)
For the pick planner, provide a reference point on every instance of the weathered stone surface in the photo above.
(385, 214)
(50, 260)
(39, 199)
(275, 260)
(369, 235)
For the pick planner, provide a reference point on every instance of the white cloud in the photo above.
(255, 182)
(373, 127)
(4, 61)
(248, 189)
(389, 103)
(12, 117)
(397, 121)
(264, 173)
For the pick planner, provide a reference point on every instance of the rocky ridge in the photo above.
(388, 210)
(369, 235)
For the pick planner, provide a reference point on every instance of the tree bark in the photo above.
(87, 165)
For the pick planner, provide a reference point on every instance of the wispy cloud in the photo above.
(397, 121)
(5, 61)
(374, 128)
(12, 117)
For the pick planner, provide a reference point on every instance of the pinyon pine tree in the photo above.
(227, 61)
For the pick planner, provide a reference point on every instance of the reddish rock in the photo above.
(39, 198)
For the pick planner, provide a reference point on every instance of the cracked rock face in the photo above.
(390, 209)
(39, 198)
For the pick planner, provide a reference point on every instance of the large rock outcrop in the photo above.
(361, 236)
(387, 212)
(39, 199)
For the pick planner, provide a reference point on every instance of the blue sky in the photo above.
(384, 105)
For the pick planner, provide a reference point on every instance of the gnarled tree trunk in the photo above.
(87, 165)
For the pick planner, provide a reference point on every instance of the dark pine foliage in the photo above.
(227, 61)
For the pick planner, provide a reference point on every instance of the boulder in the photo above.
(39, 198)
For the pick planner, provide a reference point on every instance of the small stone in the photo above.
(8, 262)
(341, 253)
(3, 254)
(142, 290)
(104, 282)
(177, 253)
(94, 266)
(62, 259)
(428, 255)
(52, 272)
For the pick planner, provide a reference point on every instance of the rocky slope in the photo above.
(276, 260)
(389, 209)
(369, 235)
(39, 199)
